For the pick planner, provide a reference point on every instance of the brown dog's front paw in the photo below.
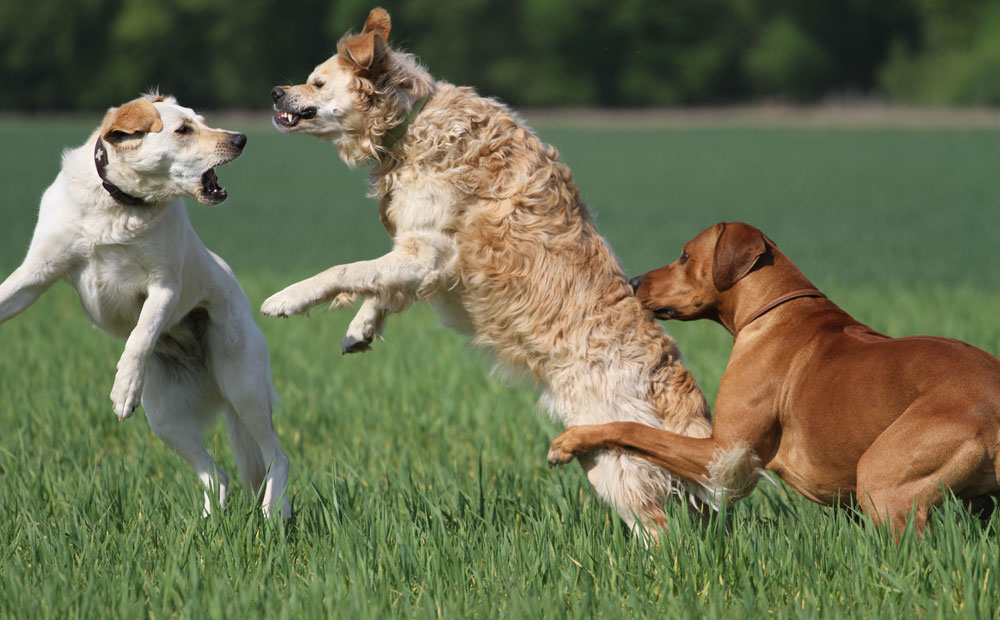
(567, 446)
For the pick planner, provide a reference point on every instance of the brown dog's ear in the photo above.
(737, 250)
(378, 22)
(139, 116)
(365, 51)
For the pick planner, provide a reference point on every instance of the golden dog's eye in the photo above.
(684, 257)
(318, 84)
(183, 129)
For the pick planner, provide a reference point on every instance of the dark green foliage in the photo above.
(91, 54)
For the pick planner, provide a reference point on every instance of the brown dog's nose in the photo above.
(238, 140)
(277, 93)
(635, 282)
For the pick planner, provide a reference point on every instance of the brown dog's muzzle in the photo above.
(635, 283)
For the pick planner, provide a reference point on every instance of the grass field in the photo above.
(418, 481)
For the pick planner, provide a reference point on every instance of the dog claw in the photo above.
(350, 344)
(556, 459)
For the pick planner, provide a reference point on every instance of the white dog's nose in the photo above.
(238, 140)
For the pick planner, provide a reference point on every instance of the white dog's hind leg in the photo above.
(255, 416)
(239, 362)
(249, 460)
(178, 405)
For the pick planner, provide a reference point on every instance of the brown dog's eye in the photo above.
(684, 257)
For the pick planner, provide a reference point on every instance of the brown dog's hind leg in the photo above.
(913, 461)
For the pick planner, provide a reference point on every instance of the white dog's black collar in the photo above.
(101, 160)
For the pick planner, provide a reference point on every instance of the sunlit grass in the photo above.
(418, 480)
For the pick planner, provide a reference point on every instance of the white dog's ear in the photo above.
(139, 116)
(378, 22)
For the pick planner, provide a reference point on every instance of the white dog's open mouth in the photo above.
(285, 118)
(210, 187)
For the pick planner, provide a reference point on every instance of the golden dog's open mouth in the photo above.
(210, 187)
(286, 118)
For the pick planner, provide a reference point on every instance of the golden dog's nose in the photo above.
(277, 93)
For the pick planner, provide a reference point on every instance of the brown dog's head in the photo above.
(357, 96)
(710, 265)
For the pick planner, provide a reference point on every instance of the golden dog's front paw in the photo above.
(286, 303)
(567, 446)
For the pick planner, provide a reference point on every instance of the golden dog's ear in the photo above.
(365, 53)
(139, 116)
(378, 22)
(737, 250)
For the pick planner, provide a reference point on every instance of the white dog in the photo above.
(113, 225)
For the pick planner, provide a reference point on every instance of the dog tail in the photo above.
(249, 459)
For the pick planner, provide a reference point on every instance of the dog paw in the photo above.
(286, 303)
(358, 342)
(126, 393)
(573, 442)
(350, 344)
(559, 455)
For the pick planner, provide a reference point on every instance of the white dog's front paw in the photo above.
(293, 300)
(127, 392)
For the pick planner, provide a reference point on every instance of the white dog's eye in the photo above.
(318, 84)
(184, 129)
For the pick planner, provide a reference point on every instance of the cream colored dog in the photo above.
(113, 225)
(488, 226)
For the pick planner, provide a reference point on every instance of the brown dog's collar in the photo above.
(101, 161)
(774, 303)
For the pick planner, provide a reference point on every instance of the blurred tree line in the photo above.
(89, 54)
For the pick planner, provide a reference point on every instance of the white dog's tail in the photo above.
(249, 459)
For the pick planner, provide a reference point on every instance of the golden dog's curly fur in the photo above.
(489, 227)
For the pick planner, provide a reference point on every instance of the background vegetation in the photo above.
(90, 54)
(418, 481)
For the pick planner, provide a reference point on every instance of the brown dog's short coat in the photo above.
(839, 411)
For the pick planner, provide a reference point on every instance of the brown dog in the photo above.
(839, 411)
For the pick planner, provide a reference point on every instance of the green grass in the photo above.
(419, 481)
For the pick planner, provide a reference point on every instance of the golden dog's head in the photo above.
(158, 151)
(709, 267)
(357, 96)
